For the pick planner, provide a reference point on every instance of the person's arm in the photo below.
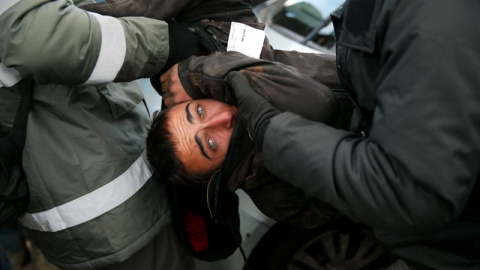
(320, 67)
(204, 77)
(57, 42)
(418, 167)
(155, 9)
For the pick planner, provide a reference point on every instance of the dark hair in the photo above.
(163, 155)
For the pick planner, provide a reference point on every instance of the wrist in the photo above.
(184, 76)
(260, 131)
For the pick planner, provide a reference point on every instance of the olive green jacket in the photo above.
(93, 199)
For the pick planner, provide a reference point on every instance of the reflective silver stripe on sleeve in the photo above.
(8, 76)
(6, 4)
(94, 204)
(112, 50)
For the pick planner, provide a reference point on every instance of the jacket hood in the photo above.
(229, 176)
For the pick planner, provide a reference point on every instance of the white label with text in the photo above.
(245, 39)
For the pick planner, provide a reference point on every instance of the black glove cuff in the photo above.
(260, 131)
(183, 44)
(156, 84)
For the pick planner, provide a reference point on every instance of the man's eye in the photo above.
(211, 144)
(200, 112)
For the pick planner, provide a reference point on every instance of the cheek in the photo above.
(223, 142)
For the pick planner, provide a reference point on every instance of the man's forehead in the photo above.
(178, 125)
(188, 114)
(188, 144)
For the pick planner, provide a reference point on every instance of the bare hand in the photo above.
(172, 88)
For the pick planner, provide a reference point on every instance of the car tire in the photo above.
(339, 245)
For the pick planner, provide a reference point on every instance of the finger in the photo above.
(168, 102)
(240, 85)
(167, 94)
(172, 101)
(164, 76)
(165, 87)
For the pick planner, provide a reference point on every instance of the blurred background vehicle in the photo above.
(301, 25)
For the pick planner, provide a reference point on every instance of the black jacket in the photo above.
(412, 68)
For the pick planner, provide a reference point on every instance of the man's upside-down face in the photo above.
(202, 130)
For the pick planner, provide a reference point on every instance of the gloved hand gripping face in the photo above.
(253, 108)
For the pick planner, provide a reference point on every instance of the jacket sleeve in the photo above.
(418, 167)
(57, 42)
(155, 9)
(203, 77)
(321, 67)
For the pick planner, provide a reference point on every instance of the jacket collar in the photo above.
(229, 178)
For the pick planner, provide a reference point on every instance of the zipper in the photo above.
(208, 197)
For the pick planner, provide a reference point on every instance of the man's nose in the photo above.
(221, 120)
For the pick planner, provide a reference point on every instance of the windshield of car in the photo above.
(305, 21)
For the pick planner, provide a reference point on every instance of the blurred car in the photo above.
(301, 25)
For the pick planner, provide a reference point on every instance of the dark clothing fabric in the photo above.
(187, 11)
(320, 67)
(11, 242)
(11, 238)
(411, 67)
(217, 10)
(162, 10)
(5, 263)
(154, 256)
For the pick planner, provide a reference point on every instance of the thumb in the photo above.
(253, 107)
(240, 85)
(247, 98)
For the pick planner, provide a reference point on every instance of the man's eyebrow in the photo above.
(189, 115)
(198, 140)
(199, 143)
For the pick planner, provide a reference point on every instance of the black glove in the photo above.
(209, 41)
(253, 108)
(183, 43)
